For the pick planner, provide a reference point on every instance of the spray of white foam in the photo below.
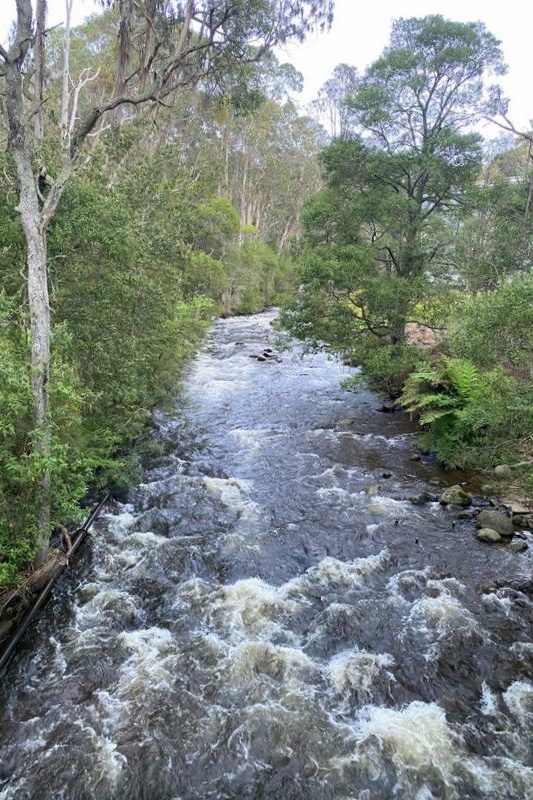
(287, 665)
(499, 601)
(356, 670)
(388, 507)
(150, 666)
(333, 573)
(416, 737)
(232, 493)
(440, 616)
(249, 440)
(334, 495)
(406, 583)
(109, 763)
(488, 703)
(252, 608)
(519, 700)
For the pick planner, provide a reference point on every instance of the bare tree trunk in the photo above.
(38, 57)
(35, 235)
(66, 70)
(244, 204)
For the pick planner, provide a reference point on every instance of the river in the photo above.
(269, 616)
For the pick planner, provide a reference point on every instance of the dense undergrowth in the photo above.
(135, 279)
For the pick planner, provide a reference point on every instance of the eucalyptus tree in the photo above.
(331, 104)
(163, 46)
(372, 235)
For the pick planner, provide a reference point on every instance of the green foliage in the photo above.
(438, 392)
(385, 367)
(257, 278)
(22, 465)
(497, 327)
(473, 418)
(491, 238)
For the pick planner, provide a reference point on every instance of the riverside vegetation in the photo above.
(210, 200)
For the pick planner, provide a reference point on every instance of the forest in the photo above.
(157, 172)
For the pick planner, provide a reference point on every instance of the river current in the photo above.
(269, 616)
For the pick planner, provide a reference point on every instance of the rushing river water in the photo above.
(270, 617)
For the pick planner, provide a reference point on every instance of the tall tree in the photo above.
(331, 104)
(372, 238)
(163, 46)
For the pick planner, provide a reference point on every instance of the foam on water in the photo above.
(440, 616)
(232, 493)
(250, 440)
(151, 664)
(288, 665)
(334, 495)
(488, 703)
(331, 573)
(518, 698)
(357, 670)
(252, 608)
(416, 738)
(389, 507)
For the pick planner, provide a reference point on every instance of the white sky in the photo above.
(361, 30)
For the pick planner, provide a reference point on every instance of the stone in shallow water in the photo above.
(488, 535)
(497, 521)
(455, 496)
(519, 545)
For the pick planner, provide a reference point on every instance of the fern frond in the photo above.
(463, 375)
(435, 414)
(438, 400)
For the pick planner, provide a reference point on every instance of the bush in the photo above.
(473, 418)
(385, 367)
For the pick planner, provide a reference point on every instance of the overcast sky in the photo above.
(361, 30)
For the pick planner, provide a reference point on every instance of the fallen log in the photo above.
(38, 586)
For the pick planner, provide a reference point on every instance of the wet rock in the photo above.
(372, 489)
(466, 514)
(496, 521)
(455, 496)
(387, 408)
(518, 545)
(386, 475)
(420, 499)
(523, 521)
(415, 457)
(261, 358)
(488, 535)
(515, 506)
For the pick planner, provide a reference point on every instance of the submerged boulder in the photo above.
(421, 499)
(497, 521)
(519, 545)
(455, 496)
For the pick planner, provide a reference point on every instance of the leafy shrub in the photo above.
(385, 367)
(473, 418)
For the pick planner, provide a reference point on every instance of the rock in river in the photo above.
(455, 496)
(488, 535)
(497, 521)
